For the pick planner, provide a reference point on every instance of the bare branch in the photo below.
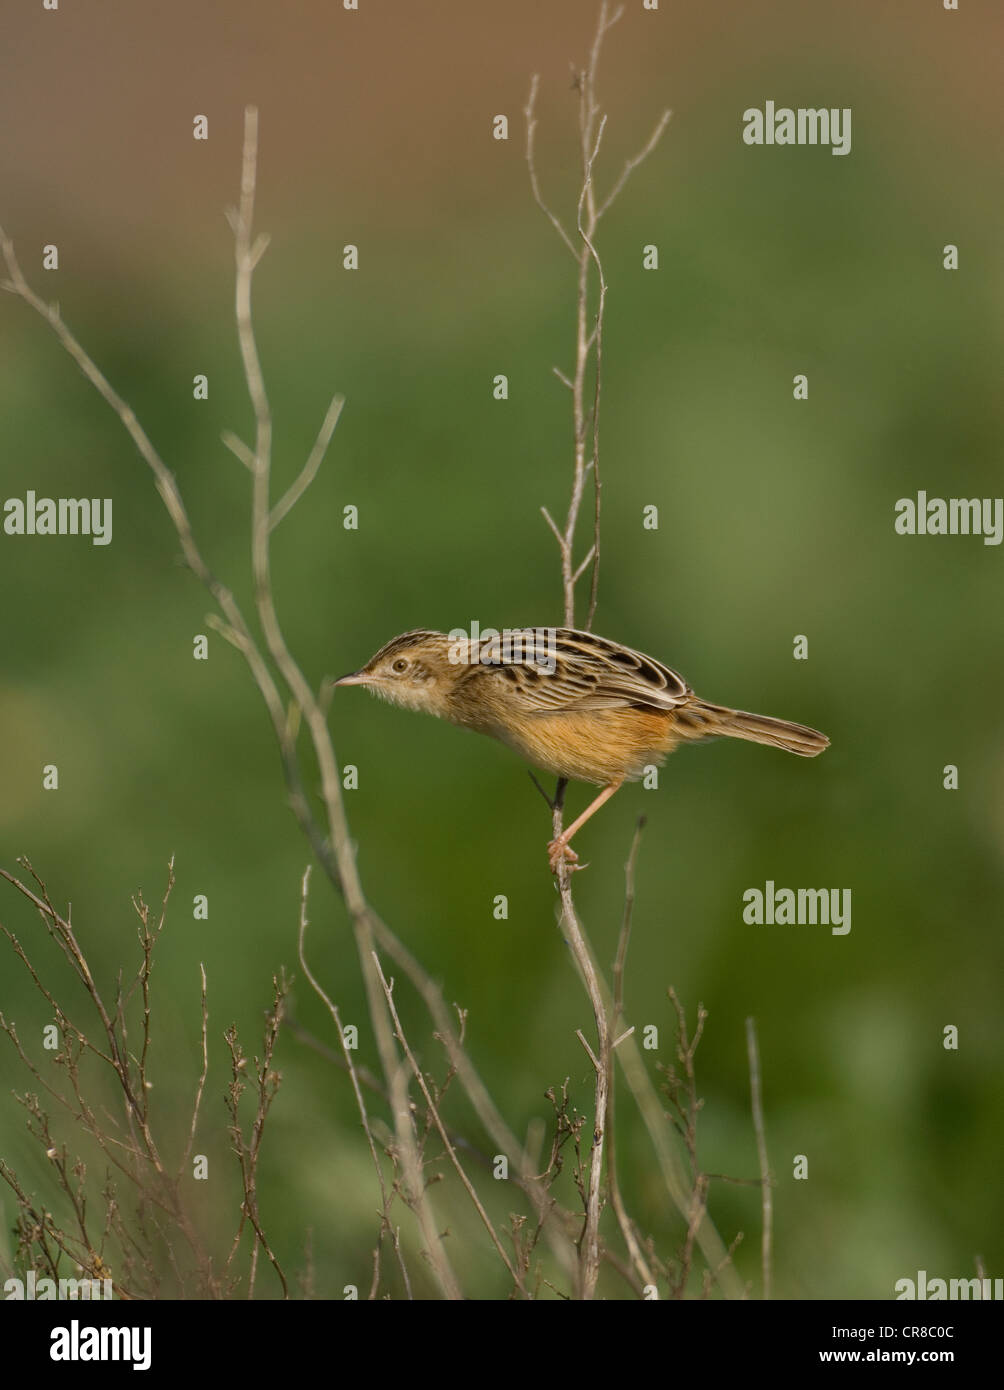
(531, 125)
(550, 521)
(202, 1076)
(309, 472)
(584, 564)
(589, 1051)
(589, 1248)
(594, 342)
(163, 477)
(533, 779)
(624, 935)
(239, 449)
(627, 1228)
(632, 163)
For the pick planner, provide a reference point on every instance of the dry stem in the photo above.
(766, 1181)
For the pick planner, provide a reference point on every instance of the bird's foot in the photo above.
(558, 852)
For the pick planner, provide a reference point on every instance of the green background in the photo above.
(776, 519)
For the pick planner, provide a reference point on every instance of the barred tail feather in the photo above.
(756, 728)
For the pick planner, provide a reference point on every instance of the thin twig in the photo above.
(589, 1248)
(202, 1076)
(309, 471)
(531, 125)
(766, 1182)
(632, 163)
(641, 1264)
(624, 935)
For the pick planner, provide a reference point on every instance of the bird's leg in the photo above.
(559, 849)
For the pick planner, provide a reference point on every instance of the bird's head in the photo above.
(416, 671)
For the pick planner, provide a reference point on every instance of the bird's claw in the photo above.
(558, 852)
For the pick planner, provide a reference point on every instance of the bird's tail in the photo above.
(712, 721)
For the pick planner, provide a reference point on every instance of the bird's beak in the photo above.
(354, 678)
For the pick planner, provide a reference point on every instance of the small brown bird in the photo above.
(572, 703)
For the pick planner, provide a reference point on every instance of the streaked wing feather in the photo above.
(565, 669)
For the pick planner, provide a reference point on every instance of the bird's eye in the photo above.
(400, 665)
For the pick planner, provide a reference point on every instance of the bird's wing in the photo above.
(552, 670)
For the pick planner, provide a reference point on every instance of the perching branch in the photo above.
(585, 420)
(638, 1259)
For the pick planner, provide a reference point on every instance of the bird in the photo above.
(574, 704)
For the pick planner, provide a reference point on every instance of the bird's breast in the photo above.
(600, 746)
